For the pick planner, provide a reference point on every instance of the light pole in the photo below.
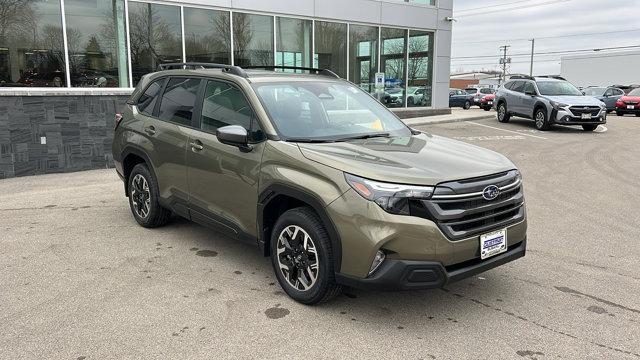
(533, 46)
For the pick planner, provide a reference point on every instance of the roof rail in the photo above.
(323, 72)
(235, 70)
(521, 76)
(557, 77)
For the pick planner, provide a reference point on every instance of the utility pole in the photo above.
(533, 46)
(504, 62)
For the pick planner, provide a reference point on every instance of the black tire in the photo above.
(487, 108)
(637, 114)
(156, 215)
(541, 119)
(410, 102)
(324, 287)
(502, 113)
(589, 127)
(467, 105)
(619, 113)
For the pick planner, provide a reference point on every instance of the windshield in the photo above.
(594, 91)
(471, 91)
(326, 111)
(558, 88)
(635, 92)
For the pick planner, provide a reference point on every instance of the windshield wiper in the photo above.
(307, 140)
(365, 136)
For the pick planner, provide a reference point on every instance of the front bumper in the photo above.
(416, 275)
(566, 117)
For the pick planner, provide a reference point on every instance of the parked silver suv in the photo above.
(548, 101)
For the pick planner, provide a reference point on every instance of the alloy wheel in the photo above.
(297, 258)
(540, 119)
(140, 196)
(501, 112)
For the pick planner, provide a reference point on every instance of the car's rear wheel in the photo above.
(467, 105)
(619, 113)
(503, 115)
(302, 257)
(487, 108)
(541, 120)
(589, 127)
(143, 198)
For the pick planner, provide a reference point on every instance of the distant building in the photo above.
(602, 69)
(464, 80)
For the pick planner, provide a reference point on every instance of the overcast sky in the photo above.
(488, 24)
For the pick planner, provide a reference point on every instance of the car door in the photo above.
(223, 179)
(514, 100)
(453, 100)
(528, 101)
(165, 131)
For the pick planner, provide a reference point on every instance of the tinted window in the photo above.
(486, 91)
(147, 101)
(471, 91)
(518, 86)
(509, 85)
(635, 92)
(609, 92)
(225, 104)
(178, 100)
(529, 88)
(618, 92)
(595, 91)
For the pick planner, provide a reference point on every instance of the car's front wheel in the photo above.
(542, 122)
(619, 113)
(143, 198)
(503, 115)
(302, 257)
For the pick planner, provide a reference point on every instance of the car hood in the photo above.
(630, 98)
(418, 160)
(576, 100)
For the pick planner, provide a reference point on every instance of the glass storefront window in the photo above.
(363, 56)
(31, 44)
(207, 35)
(331, 47)
(392, 64)
(293, 39)
(156, 37)
(420, 64)
(423, 2)
(97, 43)
(252, 39)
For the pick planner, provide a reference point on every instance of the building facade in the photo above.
(602, 69)
(66, 66)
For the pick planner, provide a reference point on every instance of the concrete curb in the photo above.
(445, 121)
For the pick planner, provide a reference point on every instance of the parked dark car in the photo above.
(608, 95)
(629, 104)
(460, 98)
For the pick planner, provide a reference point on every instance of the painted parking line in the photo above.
(601, 129)
(515, 132)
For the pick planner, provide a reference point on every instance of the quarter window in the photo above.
(147, 101)
(225, 104)
(179, 100)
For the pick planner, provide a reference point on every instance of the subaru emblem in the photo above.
(490, 192)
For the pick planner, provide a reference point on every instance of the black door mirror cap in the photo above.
(234, 135)
(530, 93)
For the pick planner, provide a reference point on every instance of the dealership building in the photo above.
(67, 66)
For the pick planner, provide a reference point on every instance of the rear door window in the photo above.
(148, 99)
(518, 86)
(179, 100)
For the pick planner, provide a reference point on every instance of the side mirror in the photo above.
(234, 135)
(530, 93)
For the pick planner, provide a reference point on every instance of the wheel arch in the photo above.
(278, 198)
(539, 105)
(131, 156)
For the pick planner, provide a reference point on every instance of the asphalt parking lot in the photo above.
(81, 280)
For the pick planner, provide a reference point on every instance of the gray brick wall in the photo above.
(78, 132)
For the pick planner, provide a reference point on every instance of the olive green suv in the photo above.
(329, 183)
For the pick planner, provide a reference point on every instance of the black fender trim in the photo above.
(299, 194)
(133, 150)
(551, 118)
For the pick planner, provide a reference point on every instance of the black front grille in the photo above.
(579, 110)
(460, 210)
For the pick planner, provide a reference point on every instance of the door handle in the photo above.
(150, 130)
(197, 145)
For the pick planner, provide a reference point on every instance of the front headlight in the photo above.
(392, 198)
(557, 105)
